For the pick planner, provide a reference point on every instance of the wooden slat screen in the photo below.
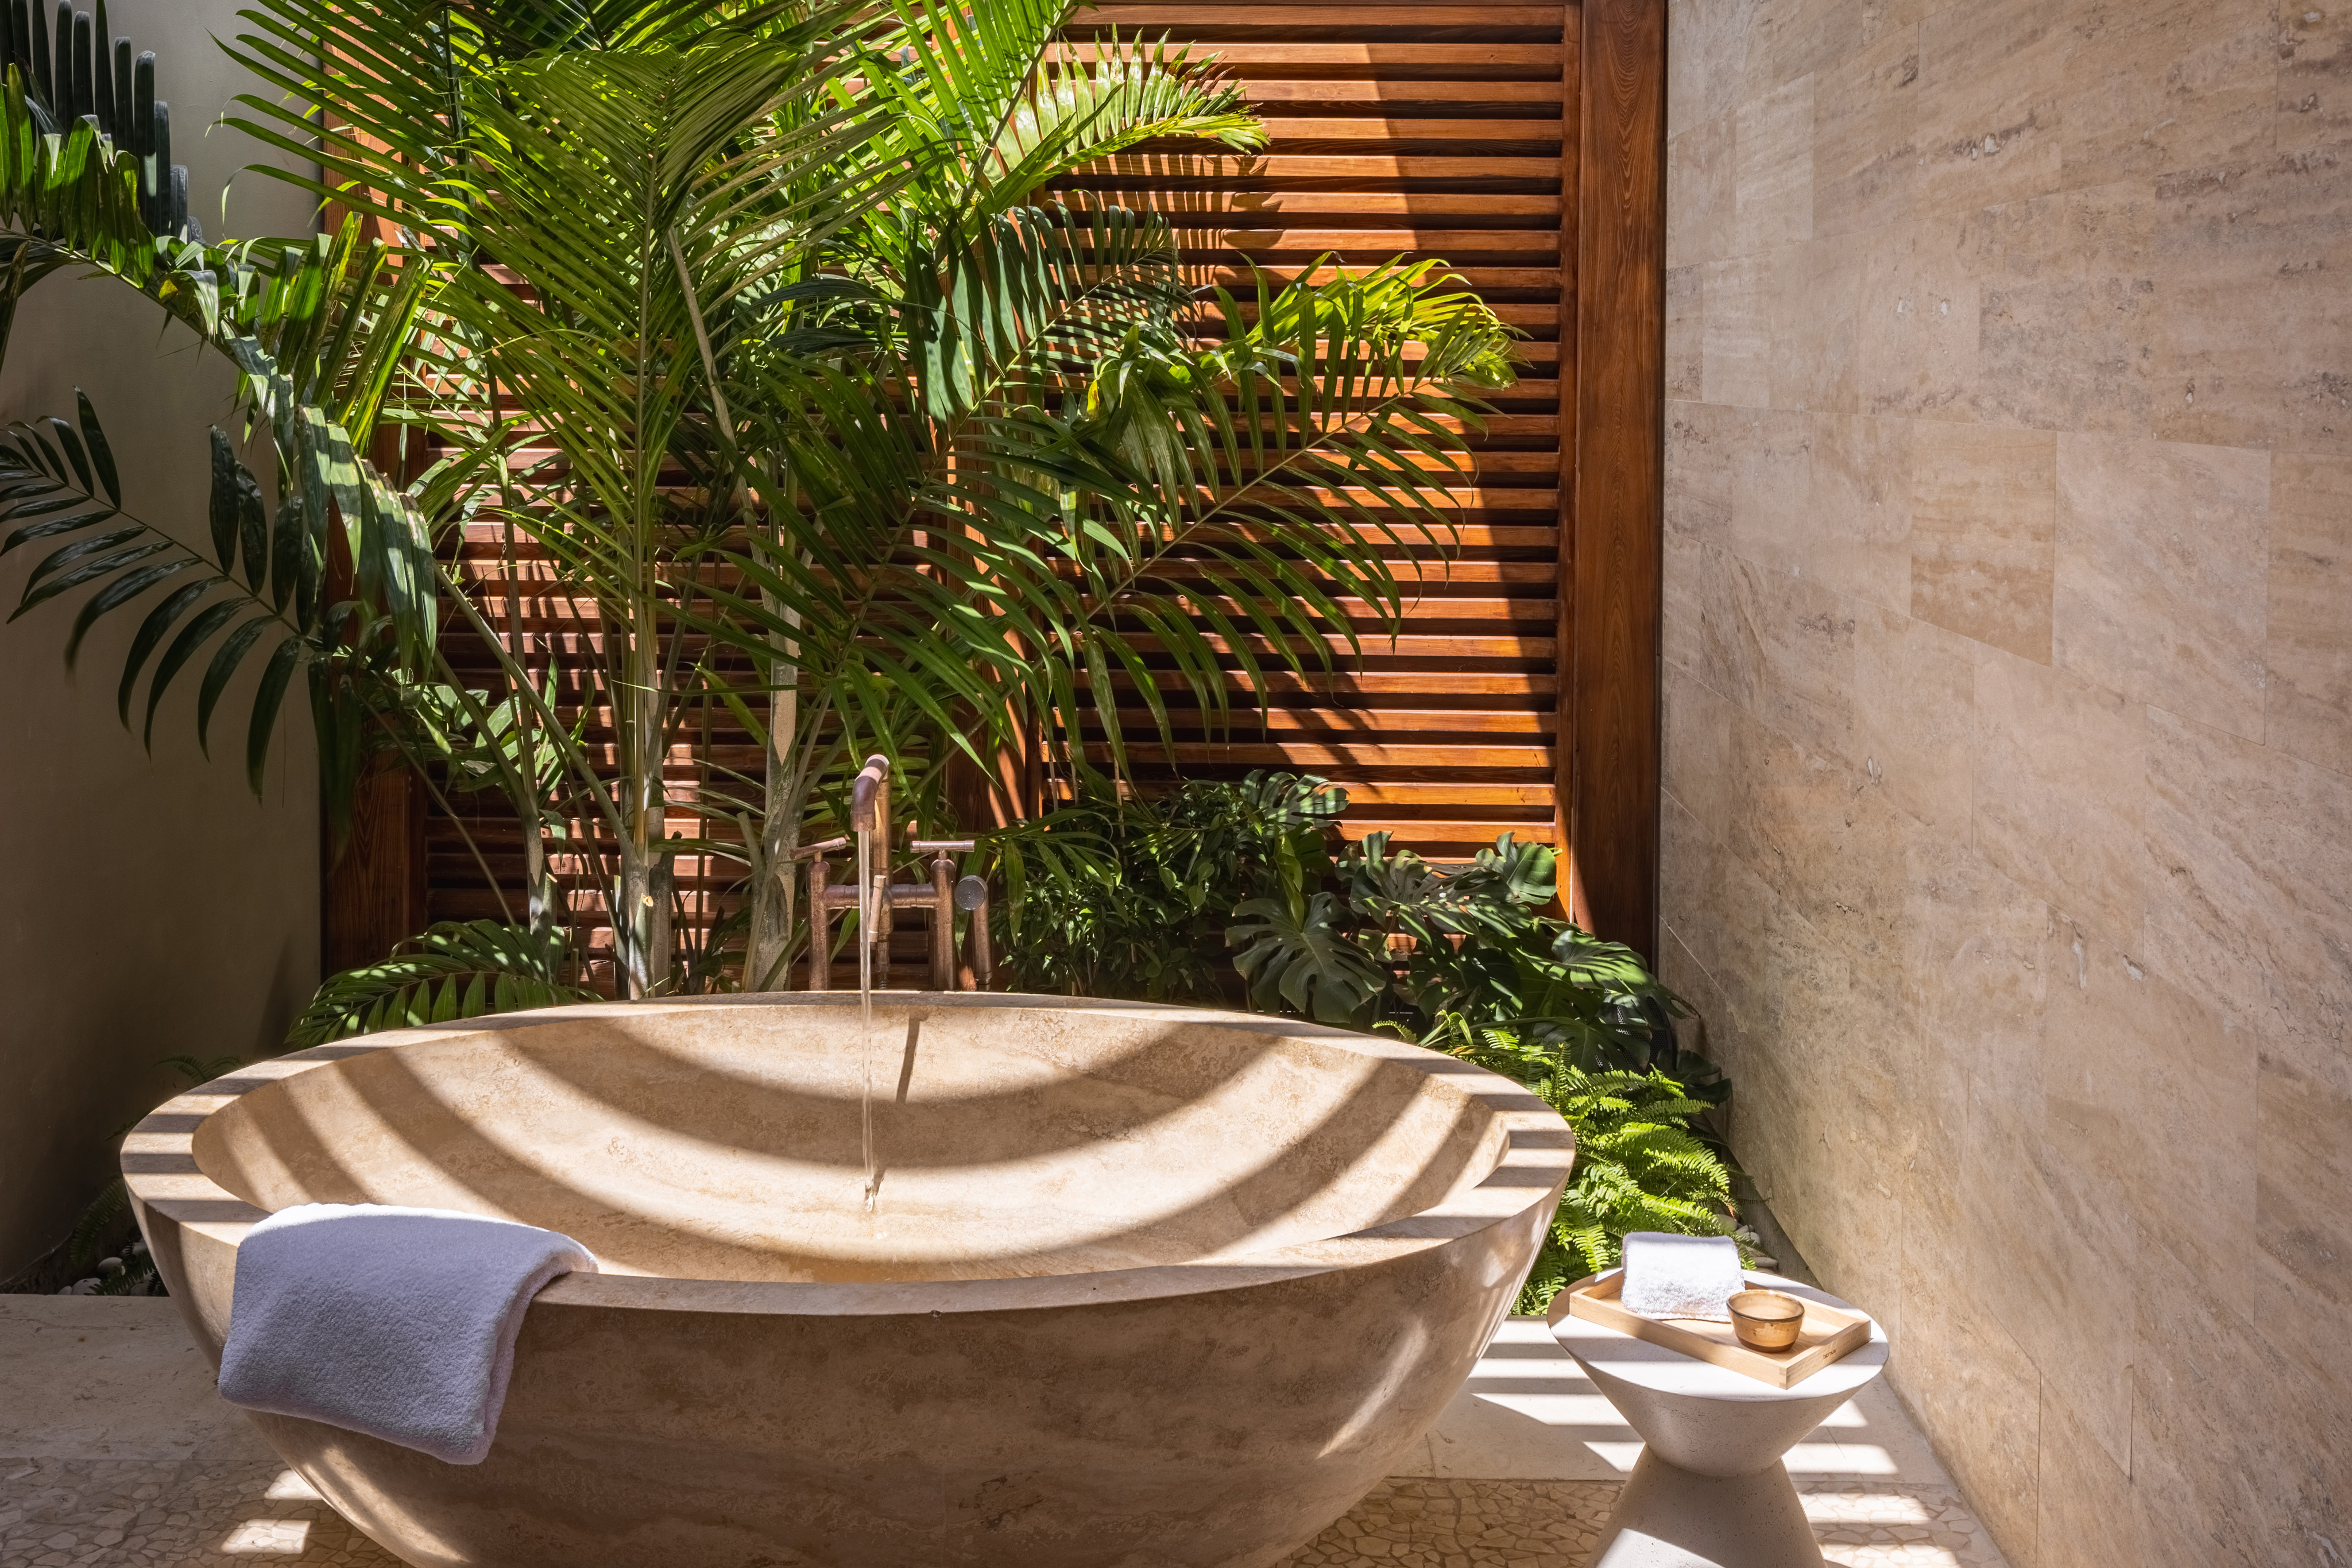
(1413, 131)
(1397, 129)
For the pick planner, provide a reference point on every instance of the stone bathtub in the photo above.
(1143, 1287)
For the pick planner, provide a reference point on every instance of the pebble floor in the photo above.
(199, 1514)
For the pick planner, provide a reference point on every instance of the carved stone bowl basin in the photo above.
(1144, 1287)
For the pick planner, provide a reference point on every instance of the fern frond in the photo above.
(97, 1222)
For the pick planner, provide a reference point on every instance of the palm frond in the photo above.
(248, 595)
(452, 971)
(1126, 92)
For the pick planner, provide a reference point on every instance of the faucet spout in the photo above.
(871, 788)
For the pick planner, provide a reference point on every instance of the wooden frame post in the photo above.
(1614, 495)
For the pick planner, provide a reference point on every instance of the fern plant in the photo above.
(1638, 1167)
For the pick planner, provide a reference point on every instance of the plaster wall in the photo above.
(2008, 844)
(149, 906)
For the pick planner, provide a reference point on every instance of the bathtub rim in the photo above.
(1535, 1155)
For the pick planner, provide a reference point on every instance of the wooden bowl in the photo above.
(1767, 1320)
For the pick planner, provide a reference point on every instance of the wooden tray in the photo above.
(1827, 1336)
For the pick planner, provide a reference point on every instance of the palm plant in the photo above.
(316, 329)
(80, 69)
(759, 318)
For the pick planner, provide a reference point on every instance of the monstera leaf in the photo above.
(1299, 957)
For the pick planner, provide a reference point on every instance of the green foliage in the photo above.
(842, 404)
(1638, 1167)
(1298, 957)
(951, 437)
(1431, 953)
(63, 194)
(251, 597)
(316, 329)
(458, 969)
(85, 76)
(1468, 960)
(1130, 897)
(1482, 949)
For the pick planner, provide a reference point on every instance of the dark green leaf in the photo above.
(87, 573)
(70, 444)
(192, 637)
(150, 635)
(53, 527)
(266, 701)
(118, 593)
(289, 538)
(253, 528)
(223, 668)
(101, 455)
(223, 503)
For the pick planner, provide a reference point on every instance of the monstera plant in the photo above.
(766, 326)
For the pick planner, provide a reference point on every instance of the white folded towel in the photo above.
(398, 1323)
(1671, 1276)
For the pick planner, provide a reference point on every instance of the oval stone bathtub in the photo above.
(1143, 1286)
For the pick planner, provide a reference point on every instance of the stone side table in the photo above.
(1709, 1490)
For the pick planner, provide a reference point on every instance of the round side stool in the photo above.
(1709, 1490)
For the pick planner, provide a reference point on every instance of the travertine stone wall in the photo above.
(2009, 726)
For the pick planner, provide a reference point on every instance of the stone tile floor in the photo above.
(128, 1457)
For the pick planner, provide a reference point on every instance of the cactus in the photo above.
(71, 71)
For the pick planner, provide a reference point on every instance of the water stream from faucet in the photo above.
(865, 1003)
(869, 817)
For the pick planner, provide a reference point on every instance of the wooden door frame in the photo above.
(1612, 486)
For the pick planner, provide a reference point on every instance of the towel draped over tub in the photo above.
(398, 1323)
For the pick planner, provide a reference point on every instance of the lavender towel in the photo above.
(398, 1323)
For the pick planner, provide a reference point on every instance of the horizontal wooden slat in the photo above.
(1354, 754)
(1350, 128)
(1401, 795)
(484, 543)
(1406, 832)
(1469, 500)
(1477, 279)
(1340, 54)
(1239, 13)
(1138, 722)
(1223, 166)
(1240, 208)
(1431, 607)
(1326, 91)
(1410, 646)
(1425, 683)
(1380, 244)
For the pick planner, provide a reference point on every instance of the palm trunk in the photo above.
(768, 951)
(773, 901)
(539, 886)
(640, 923)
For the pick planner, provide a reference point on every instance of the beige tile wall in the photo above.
(2009, 723)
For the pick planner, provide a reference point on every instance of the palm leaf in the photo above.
(452, 971)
